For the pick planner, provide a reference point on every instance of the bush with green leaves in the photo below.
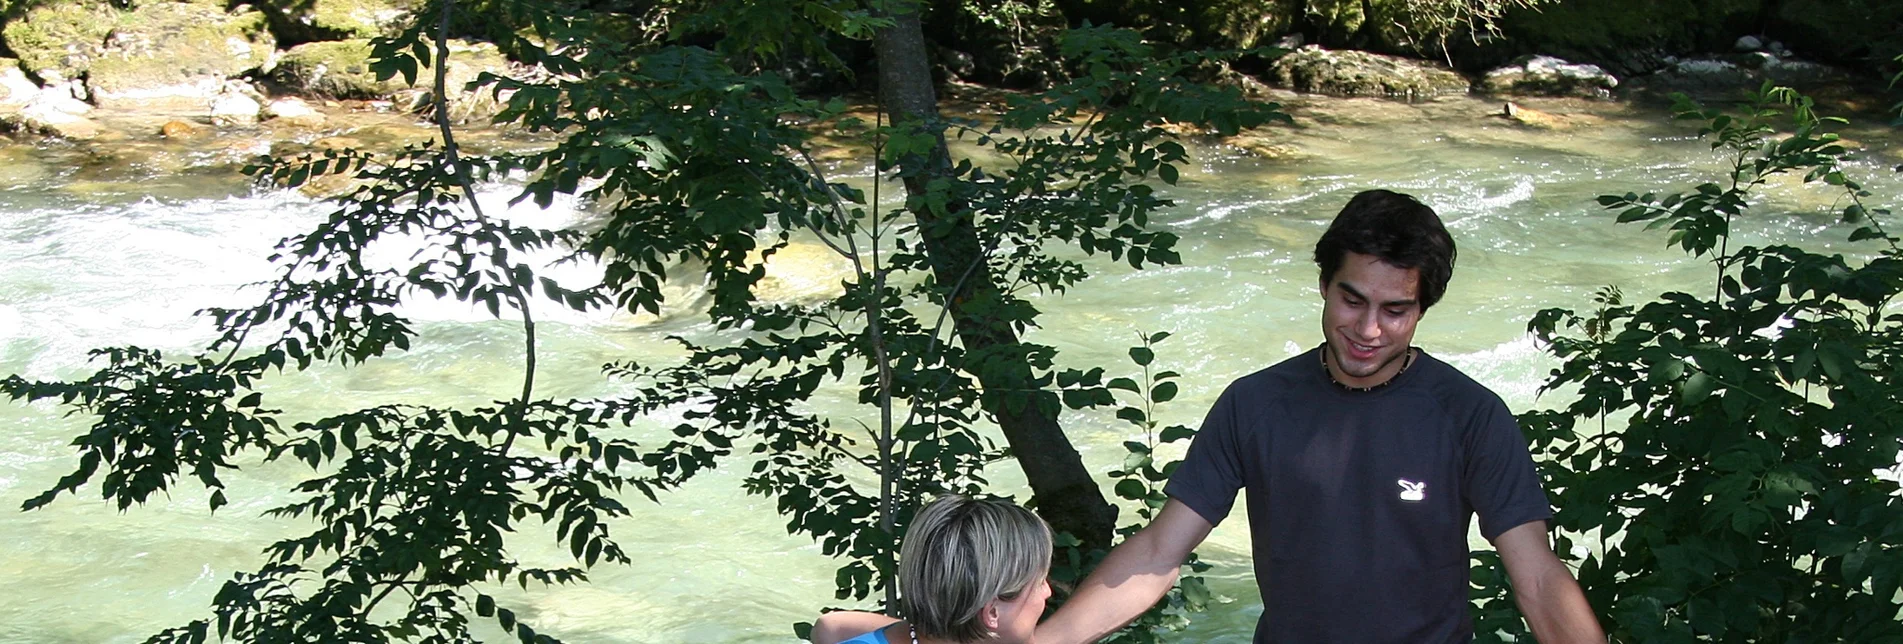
(1729, 465)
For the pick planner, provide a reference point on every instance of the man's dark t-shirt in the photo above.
(1359, 501)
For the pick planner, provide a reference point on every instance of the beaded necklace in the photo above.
(1407, 360)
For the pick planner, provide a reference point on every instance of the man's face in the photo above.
(1368, 315)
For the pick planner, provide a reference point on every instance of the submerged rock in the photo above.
(1266, 149)
(1354, 73)
(1549, 76)
(1533, 118)
(177, 130)
(1741, 71)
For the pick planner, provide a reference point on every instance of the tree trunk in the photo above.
(1066, 495)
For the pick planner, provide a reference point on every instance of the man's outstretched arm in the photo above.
(1135, 574)
(839, 626)
(1545, 590)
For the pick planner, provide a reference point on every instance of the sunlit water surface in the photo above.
(98, 254)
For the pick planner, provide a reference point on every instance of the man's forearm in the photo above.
(1128, 582)
(1557, 611)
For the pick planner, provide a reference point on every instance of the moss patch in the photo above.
(63, 37)
(313, 20)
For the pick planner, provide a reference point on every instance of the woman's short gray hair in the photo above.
(960, 554)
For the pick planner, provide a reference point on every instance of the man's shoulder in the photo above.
(1280, 378)
(1448, 379)
(1456, 392)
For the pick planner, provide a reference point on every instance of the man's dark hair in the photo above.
(1396, 228)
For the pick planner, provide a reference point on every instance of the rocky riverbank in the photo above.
(284, 75)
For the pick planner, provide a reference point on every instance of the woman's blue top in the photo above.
(875, 637)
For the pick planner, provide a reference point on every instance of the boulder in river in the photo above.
(55, 114)
(230, 109)
(1355, 73)
(1548, 76)
(177, 55)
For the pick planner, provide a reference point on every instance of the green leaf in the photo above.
(1175, 433)
(1698, 387)
(1163, 392)
(1142, 356)
(1125, 384)
(1131, 489)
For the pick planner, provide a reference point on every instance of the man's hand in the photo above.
(1137, 573)
(1545, 590)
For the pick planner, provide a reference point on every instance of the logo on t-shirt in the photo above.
(1411, 491)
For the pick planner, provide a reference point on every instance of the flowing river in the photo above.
(105, 253)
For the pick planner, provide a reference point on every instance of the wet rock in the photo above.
(295, 112)
(1742, 71)
(177, 55)
(1535, 118)
(312, 20)
(15, 88)
(231, 109)
(801, 272)
(1355, 73)
(177, 130)
(1785, 71)
(1548, 76)
(1263, 148)
(1749, 43)
(60, 116)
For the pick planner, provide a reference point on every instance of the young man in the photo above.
(1364, 459)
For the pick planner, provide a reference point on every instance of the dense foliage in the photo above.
(1736, 479)
(699, 158)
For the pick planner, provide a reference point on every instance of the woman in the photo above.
(971, 570)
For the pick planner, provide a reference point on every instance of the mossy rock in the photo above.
(341, 69)
(314, 20)
(334, 69)
(60, 38)
(175, 55)
(1355, 73)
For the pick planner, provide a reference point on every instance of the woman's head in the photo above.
(973, 569)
